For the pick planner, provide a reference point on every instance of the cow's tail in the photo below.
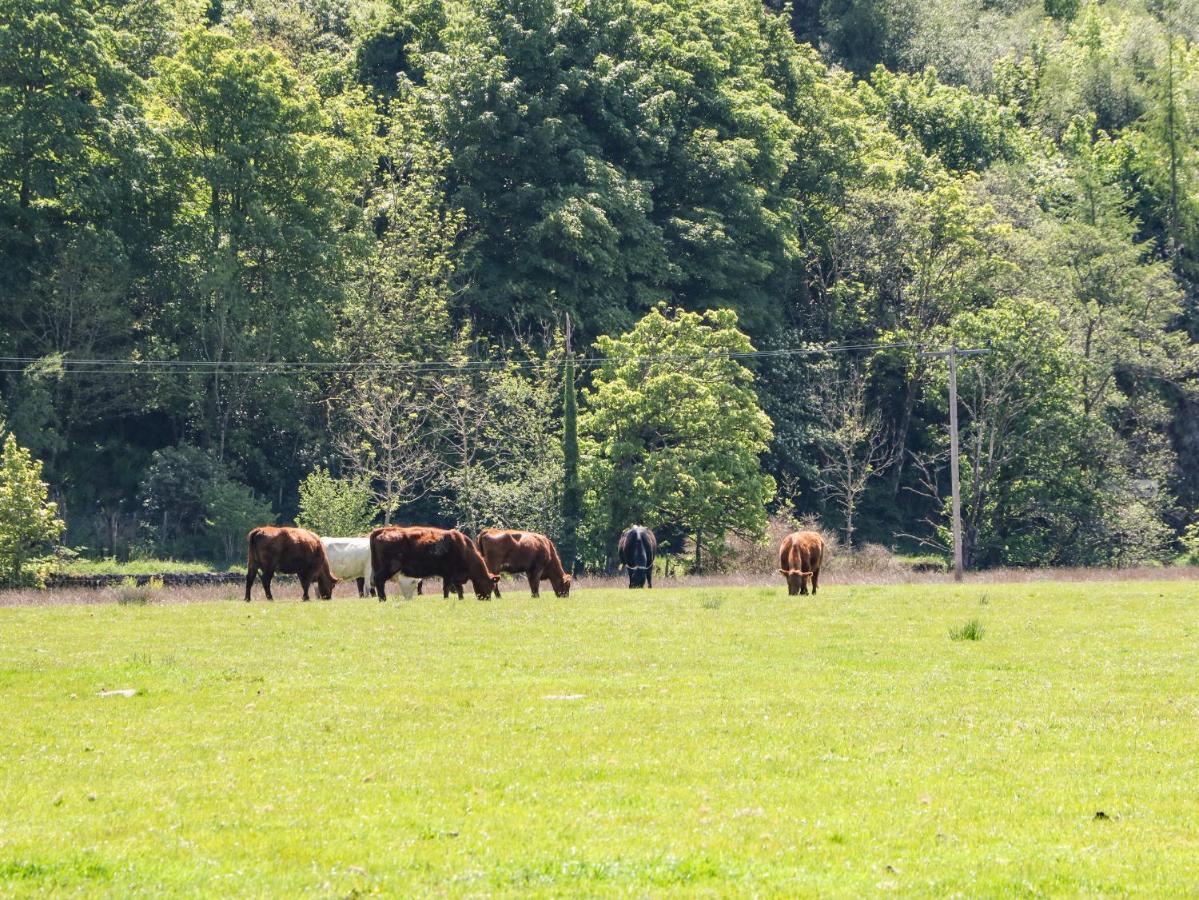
(251, 546)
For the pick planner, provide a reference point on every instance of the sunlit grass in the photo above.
(718, 740)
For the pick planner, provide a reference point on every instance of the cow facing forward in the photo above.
(800, 558)
(524, 551)
(350, 558)
(288, 551)
(637, 549)
(428, 553)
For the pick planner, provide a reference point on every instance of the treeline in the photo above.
(379, 193)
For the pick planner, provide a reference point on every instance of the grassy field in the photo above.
(717, 740)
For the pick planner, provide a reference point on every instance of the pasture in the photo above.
(713, 740)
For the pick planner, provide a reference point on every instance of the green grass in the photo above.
(716, 741)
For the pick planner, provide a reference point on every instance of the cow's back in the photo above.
(348, 557)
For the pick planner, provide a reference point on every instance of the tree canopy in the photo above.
(239, 238)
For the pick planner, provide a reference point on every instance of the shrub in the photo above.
(1190, 544)
(28, 519)
(335, 507)
(130, 593)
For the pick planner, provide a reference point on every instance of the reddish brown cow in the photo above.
(428, 553)
(524, 551)
(800, 558)
(289, 551)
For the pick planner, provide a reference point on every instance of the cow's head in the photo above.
(796, 580)
(325, 583)
(485, 588)
(563, 588)
(637, 576)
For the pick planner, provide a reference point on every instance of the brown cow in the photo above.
(428, 553)
(524, 551)
(800, 557)
(290, 551)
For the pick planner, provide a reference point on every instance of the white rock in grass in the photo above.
(564, 696)
(123, 692)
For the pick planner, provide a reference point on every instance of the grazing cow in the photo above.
(351, 558)
(428, 553)
(800, 558)
(290, 551)
(524, 551)
(637, 548)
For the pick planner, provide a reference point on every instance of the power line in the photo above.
(20, 364)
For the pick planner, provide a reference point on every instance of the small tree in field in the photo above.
(854, 444)
(335, 507)
(672, 432)
(28, 519)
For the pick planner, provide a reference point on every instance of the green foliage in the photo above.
(28, 518)
(502, 451)
(1190, 543)
(963, 130)
(378, 185)
(335, 507)
(231, 510)
(190, 506)
(671, 439)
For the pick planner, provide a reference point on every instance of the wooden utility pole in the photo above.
(954, 477)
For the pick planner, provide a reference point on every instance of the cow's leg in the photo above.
(649, 576)
(534, 582)
(380, 578)
(445, 589)
(267, 575)
(251, 574)
(304, 582)
(459, 587)
(815, 580)
(361, 586)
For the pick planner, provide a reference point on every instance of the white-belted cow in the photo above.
(350, 557)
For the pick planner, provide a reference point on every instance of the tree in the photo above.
(335, 507)
(1028, 495)
(266, 225)
(386, 441)
(501, 449)
(28, 518)
(854, 443)
(672, 432)
(231, 510)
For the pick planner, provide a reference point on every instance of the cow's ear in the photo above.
(782, 571)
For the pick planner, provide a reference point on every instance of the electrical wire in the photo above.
(21, 364)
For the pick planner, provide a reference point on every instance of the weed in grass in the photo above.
(711, 603)
(971, 631)
(984, 600)
(130, 593)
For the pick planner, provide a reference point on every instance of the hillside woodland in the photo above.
(324, 215)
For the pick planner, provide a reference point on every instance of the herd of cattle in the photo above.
(408, 556)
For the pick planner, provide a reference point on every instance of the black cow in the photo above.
(637, 548)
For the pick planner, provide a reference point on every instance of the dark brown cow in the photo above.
(289, 551)
(800, 558)
(524, 551)
(428, 553)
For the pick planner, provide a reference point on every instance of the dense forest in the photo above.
(252, 245)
